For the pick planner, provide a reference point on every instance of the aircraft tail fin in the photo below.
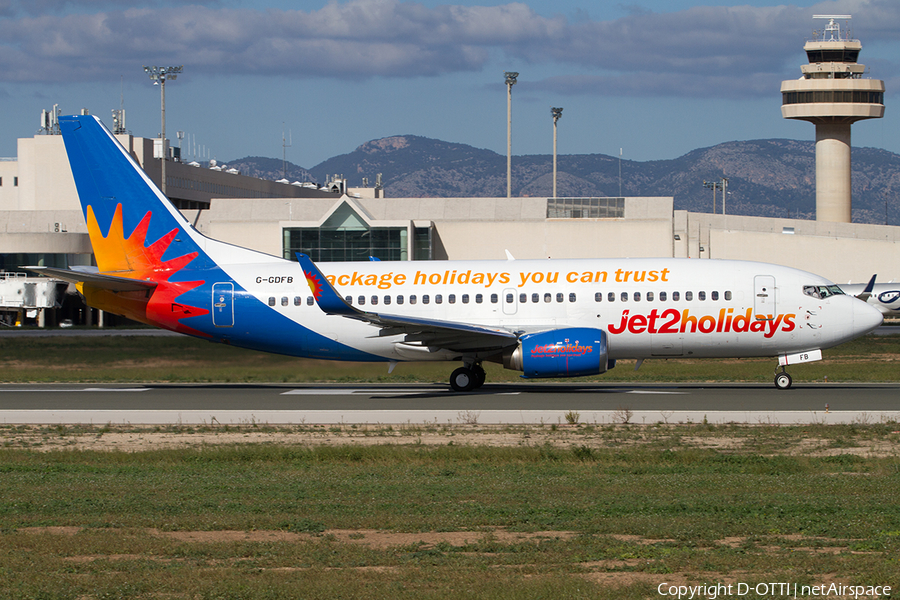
(136, 234)
(135, 231)
(867, 292)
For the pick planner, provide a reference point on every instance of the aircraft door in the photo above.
(764, 295)
(510, 303)
(223, 304)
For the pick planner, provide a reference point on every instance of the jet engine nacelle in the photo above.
(561, 353)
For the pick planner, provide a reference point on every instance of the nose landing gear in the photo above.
(467, 378)
(783, 380)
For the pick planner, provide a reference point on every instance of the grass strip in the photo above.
(592, 520)
(185, 359)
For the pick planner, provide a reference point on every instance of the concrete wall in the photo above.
(562, 238)
(840, 260)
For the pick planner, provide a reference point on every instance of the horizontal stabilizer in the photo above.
(107, 282)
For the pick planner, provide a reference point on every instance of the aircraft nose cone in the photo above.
(865, 317)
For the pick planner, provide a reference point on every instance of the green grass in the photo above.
(792, 518)
(184, 359)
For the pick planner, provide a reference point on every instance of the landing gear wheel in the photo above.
(480, 376)
(783, 381)
(463, 379)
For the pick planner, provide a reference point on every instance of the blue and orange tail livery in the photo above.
(135, 231)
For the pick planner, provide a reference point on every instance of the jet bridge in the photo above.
(23, 296)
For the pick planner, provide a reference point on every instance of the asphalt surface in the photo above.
(494, 403)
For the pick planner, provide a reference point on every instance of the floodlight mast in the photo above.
(721, 184)
(557, 115)
(159, 75)
(714, 186)
(511, 77)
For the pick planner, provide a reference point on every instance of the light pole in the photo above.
(721, 184)
(713, 185)
(159, 76)
(510, 81)
(724, 191)
(557, 115)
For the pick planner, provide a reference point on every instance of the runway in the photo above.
(50, 404)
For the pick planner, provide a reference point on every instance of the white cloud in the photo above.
(742, 50)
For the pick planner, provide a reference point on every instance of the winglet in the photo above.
(867, 293)
(326, 296)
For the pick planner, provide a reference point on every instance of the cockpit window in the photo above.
(822, 291)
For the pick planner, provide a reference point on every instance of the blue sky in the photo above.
(657, 78)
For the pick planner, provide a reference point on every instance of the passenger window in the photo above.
(348, 299)
(465, 298)
(688, 296)
(624, 296)
(425, 299)
(611, 296)
(400, 299)
(649, 296)
(271, 300)
(438, 299)
(412, 299)
(598, 297)
(572, 297)
(361, 300)
(714, 296)
(728, 295)
(387, 299)
(298, 300)
(662, 296)
(535, 297)
(310, 300)
(510, 298)
(701, 296)
(374, 300)
(548, 297)
(284, 300)
(637, 296)
(676, 296)
(451, 298)
(494, 298)
(523, 298)
(479, 298)
(559, 297)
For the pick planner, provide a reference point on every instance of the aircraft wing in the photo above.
(96, 279)
(429, 332)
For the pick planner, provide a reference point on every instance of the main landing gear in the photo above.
(467, 378)
(782, 380)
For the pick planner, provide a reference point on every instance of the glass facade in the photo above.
(345, 236)
(323, 245)
(11, 263)
(848, 96)
(585, 208)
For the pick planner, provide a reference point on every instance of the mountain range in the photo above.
(769, 178)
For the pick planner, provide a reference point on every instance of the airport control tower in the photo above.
(833, 95)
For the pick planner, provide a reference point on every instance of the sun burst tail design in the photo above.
(315, 284)
(132, 258)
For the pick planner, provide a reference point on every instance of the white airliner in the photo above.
(546, 318)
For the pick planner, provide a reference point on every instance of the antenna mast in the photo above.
(284, 146)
